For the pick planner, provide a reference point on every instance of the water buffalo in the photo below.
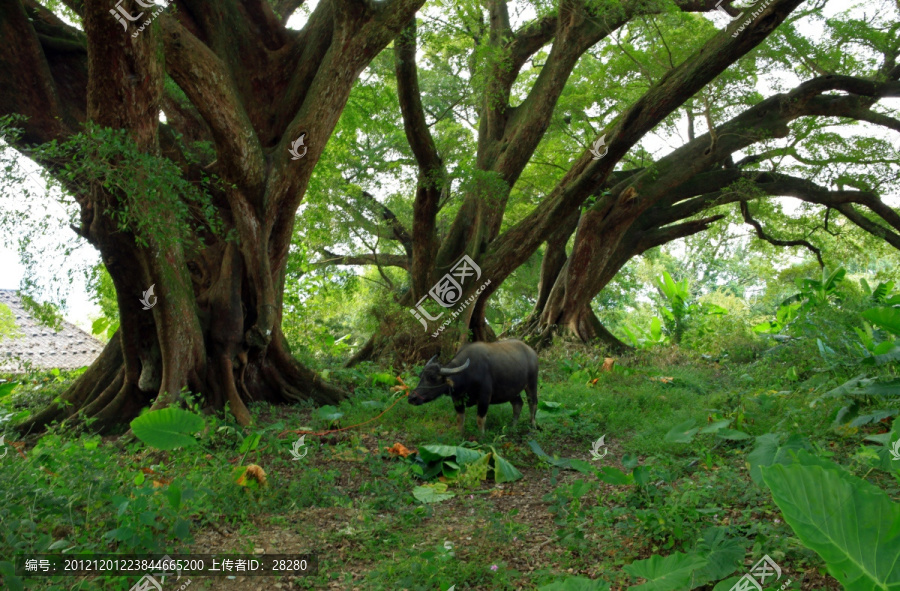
(482, 374)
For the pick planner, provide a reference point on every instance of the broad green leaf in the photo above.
(713, 427)
(682, 433)
(727, 584)
(167, 428)
(725, 555)
(435, 451)
(563, 463)
(329, 413)
(853, 525)
(886, 318)
(614, 476)
(732, 435)
(432, 493)
(464, 455)
(768, 451)
(664, 573)
(504, 471)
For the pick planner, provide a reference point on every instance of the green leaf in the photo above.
(464, 455)
(504, 471)
(666, 573)
(250, 443)
(732, 435)
(713, 427)
(575, 584)
(563, 463)
(682, 433)
(853, 525)
(329, 413)
(767, 452)
(173, 494)
(862, 386)
(886, 318)
(432, 493)
(727, 584)
(725, 555)
(614, 476)
(167, 428)
(434, 452)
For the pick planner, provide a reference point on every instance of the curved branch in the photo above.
(202, 75)
(378, 259)
(745, 212)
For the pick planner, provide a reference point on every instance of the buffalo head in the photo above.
(434, 381)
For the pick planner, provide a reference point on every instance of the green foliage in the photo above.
(467, 464)
(666, 573)
(853, 525)
(8, 328)
(153, 199)
(167, 428)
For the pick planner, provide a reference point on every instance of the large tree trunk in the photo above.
(253, 88)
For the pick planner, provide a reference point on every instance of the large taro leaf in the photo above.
(853, 525)
(768, 451)
(464, 455)
(886, 318)
(664, 573)
(432, 493)
(682, 433)
(725, 555)
(434, 452)
(504, 471)
(167, 428)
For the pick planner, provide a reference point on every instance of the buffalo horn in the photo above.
(430, 361)
(452, 370)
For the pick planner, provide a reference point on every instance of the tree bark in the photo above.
(253, 87)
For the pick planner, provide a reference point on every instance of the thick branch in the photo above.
(745, 212)
(378, 259)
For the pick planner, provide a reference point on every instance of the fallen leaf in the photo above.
(253, 472)
(398, 449)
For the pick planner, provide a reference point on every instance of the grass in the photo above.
(350, 501)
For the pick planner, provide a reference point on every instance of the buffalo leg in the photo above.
(517, 409)
(482, 414)
(531, 391)
(461, 418)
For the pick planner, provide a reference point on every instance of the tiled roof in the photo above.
(41, 346)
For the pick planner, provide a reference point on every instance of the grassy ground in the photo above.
(351, 502)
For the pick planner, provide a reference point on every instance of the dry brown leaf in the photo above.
(398, 449)
(253, 472)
